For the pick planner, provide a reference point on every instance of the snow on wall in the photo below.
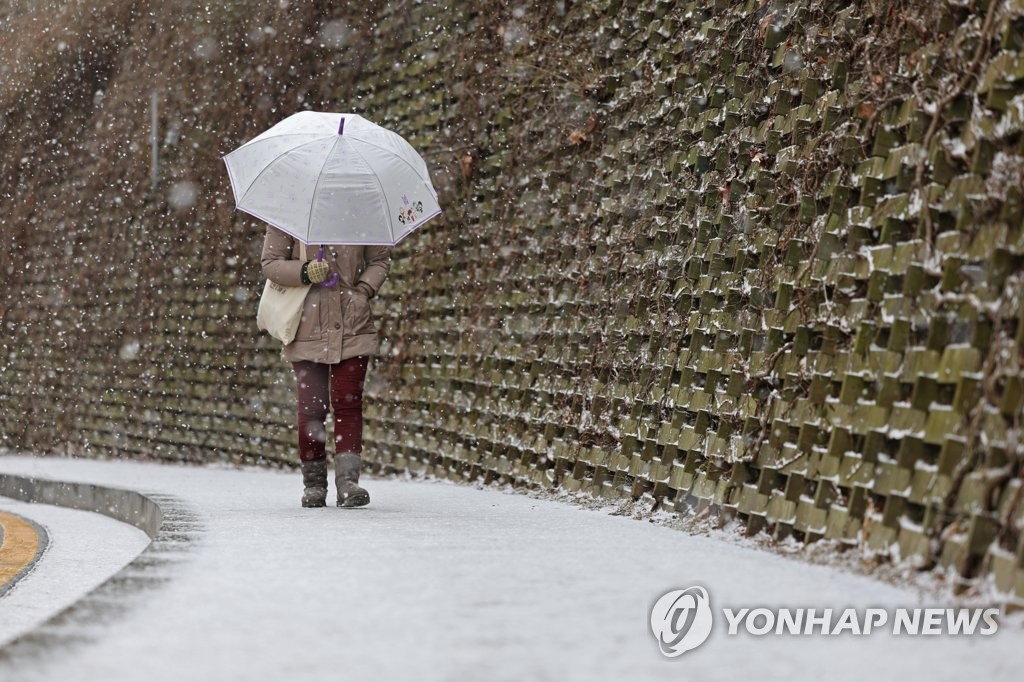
(760, 255)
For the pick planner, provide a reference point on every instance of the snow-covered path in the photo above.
(436, 581)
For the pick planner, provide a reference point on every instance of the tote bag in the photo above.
(280, 308)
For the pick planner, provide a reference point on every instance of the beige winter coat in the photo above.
(337, 322)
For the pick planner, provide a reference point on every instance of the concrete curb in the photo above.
(172, 527)
(126, 506)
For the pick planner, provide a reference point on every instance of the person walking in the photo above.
(335, 339)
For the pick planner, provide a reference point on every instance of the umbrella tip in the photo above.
(341, 126)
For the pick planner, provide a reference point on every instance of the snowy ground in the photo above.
(436, 581)
(84, 550)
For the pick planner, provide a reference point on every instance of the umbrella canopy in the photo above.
(333, 179)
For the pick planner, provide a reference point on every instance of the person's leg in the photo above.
(347, 379)
(311, 381)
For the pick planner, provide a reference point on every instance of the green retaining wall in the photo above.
(765, 256)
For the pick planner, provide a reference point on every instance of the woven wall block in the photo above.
(854, 388)
(957, 360)
(880, 362)
(912, 539)
(950, 454)
(793, 461)
(1007, 572)
(841, 526)
(855, 471)
(1009, 497)
(980, 533)
(701, 401)
(867, 331)
(809, 518)
(704, 487)
(892, 511)
(889, 390)
(995, 429)
(868, 417)
(571, 484)
(918, 362)
(971, 497)
(724, 495)
(1013, 395)
(660, 472)
(986, 239)
(780, 509)
(890, 478)
(927, 486)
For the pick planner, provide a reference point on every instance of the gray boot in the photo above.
(314, 478)
(346, 478)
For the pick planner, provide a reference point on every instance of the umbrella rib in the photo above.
(382, 192)
(269, 164)
(270, 137)
(399, 156)
(316, 187)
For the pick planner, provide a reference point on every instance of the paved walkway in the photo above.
(436, 581)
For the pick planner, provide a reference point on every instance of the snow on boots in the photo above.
(346, 478)
(314, 478)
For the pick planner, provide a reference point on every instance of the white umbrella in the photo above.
(333, 179)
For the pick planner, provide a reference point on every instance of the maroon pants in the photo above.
(337, 386)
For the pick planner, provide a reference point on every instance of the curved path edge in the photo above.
(19, 563)
(172, 529)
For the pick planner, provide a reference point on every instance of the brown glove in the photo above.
(365, 289)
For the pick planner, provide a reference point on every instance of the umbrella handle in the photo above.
(334, 276)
